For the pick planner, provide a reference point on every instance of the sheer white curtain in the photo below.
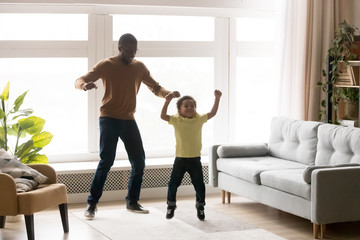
(307, 32)
(292, 58)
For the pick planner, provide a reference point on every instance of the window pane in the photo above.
(189, 76)
(43, 27)
(164, 28)
(52, 96)
(256, 98)
(255, 29)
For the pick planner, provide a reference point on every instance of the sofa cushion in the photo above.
(242, 150)
(249, 168)
(308, 171)
(289, 181)
(338, 145)
(294, 140)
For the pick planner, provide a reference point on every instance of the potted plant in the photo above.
(28, 130)
(350, 96)
(344, 49)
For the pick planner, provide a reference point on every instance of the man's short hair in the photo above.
(126, 38)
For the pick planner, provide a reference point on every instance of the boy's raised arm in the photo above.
(164, 116)
(215, 107)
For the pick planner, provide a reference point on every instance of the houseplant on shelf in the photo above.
(28, 130)
(345, 47)
(351, 100)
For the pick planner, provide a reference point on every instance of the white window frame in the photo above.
(100, 44)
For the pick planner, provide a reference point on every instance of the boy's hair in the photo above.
(126, 38)
(182, 99)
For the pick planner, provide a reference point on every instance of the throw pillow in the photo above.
(10, 165)
(25, 185)
(242, 150)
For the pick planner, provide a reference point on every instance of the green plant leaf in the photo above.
(19, 101)
(35, 158)
(24, 149)
(42, 139)
(323, 73)
(32, 125)
(23, 113)
(5, 94)
(15, 130)
(12, 130)
(323, 103)
(39, 158)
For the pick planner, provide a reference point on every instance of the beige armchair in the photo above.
(47, 195)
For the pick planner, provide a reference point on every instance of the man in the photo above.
(122, 76)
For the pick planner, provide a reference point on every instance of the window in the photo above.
(189, 76)
(256, 81)
(40, 53)
(165, 28)
(255, 29)
(43, 27)
(46, 52)
(174, 70)
(52, 96)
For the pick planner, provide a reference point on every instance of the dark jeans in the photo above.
(110, 131)
(194, 168)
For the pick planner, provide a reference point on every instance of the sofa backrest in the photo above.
(294, 140)
(337, 145)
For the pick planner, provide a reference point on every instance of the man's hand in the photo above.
(172, 95)
(176, 94)
(90, 86)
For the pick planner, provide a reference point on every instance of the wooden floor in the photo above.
(280, 223)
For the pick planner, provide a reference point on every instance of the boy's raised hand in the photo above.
(217, 93)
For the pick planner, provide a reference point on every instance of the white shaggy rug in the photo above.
(121, 224)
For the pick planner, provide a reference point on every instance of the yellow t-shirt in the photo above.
(188, 134)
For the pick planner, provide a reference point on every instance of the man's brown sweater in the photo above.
(121, 84)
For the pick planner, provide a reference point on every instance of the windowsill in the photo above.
(90, 166)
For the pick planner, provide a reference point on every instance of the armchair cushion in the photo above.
(17, 169)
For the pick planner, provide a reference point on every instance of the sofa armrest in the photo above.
(213, 172)
(335, 195)
(8, 199)
(46, 170)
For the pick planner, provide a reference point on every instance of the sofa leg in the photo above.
(223, 196)
(228, 196)
(29, 222)
(323, 230)
(64, 216)
(316, 230)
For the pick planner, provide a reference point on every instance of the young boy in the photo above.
(187, 125)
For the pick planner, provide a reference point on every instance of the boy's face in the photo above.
(187, 109)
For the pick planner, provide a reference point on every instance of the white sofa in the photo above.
(309, 169)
